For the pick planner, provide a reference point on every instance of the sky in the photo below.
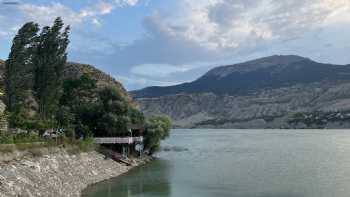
(165, 42)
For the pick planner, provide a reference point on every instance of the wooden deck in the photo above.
(118, 140)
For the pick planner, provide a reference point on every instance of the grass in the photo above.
(20, 138)
(33, 143)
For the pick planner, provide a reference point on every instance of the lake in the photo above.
(241, 163)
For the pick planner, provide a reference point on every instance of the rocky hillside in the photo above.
(263, 93)
(75, 70)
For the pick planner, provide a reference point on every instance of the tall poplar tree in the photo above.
(19, 68)
(50, 59)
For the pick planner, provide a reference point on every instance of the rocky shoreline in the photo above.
(57, 174)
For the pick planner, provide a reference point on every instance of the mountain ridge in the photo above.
(243, 78)
(262, 93)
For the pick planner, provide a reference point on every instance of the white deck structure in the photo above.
(118, 140)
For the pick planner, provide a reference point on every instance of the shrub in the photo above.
(6, 139)
(158, 128)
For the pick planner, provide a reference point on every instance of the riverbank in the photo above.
(57, 172)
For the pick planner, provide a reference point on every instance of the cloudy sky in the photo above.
(164, 42)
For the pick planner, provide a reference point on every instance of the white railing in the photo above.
(117, 140)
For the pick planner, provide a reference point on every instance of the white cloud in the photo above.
(100, 8)
(229, 24)
(123, 3)
(160, 70)
(132, 81)
(13, 17)
(44, 14)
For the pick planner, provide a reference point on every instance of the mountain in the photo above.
(271, 92)
(270, 72)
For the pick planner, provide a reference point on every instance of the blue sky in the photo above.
(165, 42)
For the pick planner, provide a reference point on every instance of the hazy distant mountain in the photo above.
(269, 72)
(263, 93)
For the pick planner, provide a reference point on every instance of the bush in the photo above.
(158, 128)
(86, 145)
(20, 138)
(6, 139)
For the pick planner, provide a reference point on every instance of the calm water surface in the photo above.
(241, 163)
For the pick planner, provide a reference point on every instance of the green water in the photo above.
(246, 163)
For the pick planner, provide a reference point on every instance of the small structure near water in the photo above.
(126, 144)
(118, 140)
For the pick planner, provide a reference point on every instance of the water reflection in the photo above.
(149, 180)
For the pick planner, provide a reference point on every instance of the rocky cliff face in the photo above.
(264, 93)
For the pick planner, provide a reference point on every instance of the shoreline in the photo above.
(139, 163)
(136, 163)
(58, 173)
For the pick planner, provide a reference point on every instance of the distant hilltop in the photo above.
(268, 92)
(268, 72)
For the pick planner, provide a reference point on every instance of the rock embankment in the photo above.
(58, 174)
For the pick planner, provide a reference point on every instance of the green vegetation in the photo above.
(32, 142)
(19, 73)
(34, 72)
(20, 138)
(89, 111)
(39, 97)
(158, 128)
(49, 59)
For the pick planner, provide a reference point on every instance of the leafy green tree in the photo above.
(136, 116)
(78, 91)
(50, 59)
(78, 107)
(114, 110)
(19, 72)
(106, 113)
(158, 128)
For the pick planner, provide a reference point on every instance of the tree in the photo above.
(136, 116)
(19, 75)
(78, 91)
(114, 108)
(50, 59)
(78, 111)
(158, 128)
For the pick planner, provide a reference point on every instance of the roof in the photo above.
(136, 126)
